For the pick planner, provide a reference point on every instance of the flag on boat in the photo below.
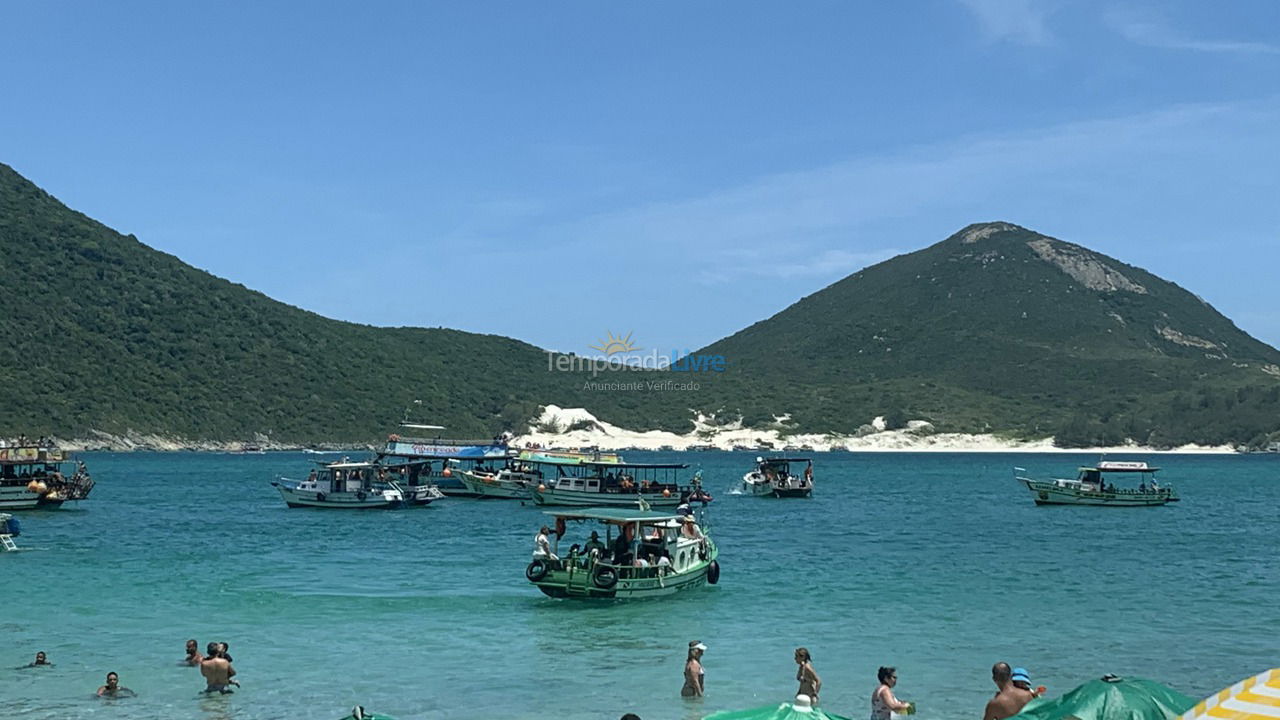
(1256, 698)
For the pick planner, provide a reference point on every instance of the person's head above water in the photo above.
(1000, 673)
(113, 680)
(802, 655)
(211, 650)
(40, 658)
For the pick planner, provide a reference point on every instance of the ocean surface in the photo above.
(938, 564)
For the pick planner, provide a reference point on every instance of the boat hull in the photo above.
(580, 583)
(1048, 493)
(337, 500)
(494, 488)
(419, 495)
(758, 486)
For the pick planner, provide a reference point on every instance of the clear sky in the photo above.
(552, 171)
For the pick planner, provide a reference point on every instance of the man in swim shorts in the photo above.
(217, 671)
(1009, 698)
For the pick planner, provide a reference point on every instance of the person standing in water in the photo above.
(193, 658)
(694, 675)
(810, 683)
(217, 671)
(883, 702)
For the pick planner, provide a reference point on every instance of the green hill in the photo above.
(994, 329)
(1000, 328)
(103, 332)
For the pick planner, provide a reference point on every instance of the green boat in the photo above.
(644, 553)
(591, 484)
(1090, 487)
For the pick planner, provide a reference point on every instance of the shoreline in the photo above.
(577, 428)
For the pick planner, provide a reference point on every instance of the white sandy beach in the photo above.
(590, 431)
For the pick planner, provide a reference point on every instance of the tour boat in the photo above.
(592, 484)
(349, 485)
(772, 477)
(1090, 487)
(444, 459)
(38, 476)
(509, 483)
(643, 553)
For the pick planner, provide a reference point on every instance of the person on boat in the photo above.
(593, 544)
(542, 545)
(41, 661)
(883, 702)
(694, 675)
(217, 671)
(1009, 698)
(113, 689)
(808, 678)
(1142, 487)
(622, 554)
(689, 528)
(664, 560)
(194, 657)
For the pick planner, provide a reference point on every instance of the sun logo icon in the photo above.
(614, 345)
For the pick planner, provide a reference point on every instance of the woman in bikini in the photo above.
(810, 683)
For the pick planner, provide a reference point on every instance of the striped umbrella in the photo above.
(1257, 698)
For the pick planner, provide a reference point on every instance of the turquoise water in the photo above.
(936, 563)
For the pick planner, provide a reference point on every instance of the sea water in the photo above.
(938, 564)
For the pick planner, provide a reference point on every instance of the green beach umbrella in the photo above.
(783, 711)
(1111, 698)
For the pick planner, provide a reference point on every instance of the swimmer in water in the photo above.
(113, 689)
(217, 671)
(40, 661)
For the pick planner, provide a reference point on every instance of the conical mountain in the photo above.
(1002, 328)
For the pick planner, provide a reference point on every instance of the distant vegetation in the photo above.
(982, 332)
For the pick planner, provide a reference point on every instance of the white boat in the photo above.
(9, 529)
(344, 485)
(772, 477)
(1090, 487)
(444, 458)
(40, 477)
(509, 483)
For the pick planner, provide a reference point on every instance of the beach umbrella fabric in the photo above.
(1257, 698)
(1112, 698)
(783, 711)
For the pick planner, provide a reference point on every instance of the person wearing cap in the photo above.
(593, 544)
(694, 675)
(689, 528)
(1021, 679)
(1010, 698)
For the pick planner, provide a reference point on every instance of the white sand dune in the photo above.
(577, 427)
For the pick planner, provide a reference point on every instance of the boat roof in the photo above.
(362, 464)
(1117, 466)
(624, 465)
(787, 459)
(619, 515)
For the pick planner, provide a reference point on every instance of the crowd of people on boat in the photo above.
(650, 551)
(23, 441)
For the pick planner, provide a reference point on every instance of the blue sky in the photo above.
(552, 171)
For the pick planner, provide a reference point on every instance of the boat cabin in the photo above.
(1095, 478)
(355, 477)
(618, 478)
(635, 543)
(47, 471)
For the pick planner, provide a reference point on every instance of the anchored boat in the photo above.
(38, 476)
(601, 484)
(9, 529)
(644, 553)
(444, 459)
(773, 478)
(355, 486)
(1090, 486)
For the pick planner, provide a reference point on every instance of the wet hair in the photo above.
(113, 672)
(631, 716)
(1001, 672)
(213, 649)
(884, 673)
(804, 653)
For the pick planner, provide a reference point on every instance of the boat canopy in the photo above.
(769, 460)
(1109, 466)
(615, 515)
(367, 464)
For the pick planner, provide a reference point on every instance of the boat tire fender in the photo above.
(360, 495)
(713, 572)
(319, 497)
(605, 577)
(536, 570)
